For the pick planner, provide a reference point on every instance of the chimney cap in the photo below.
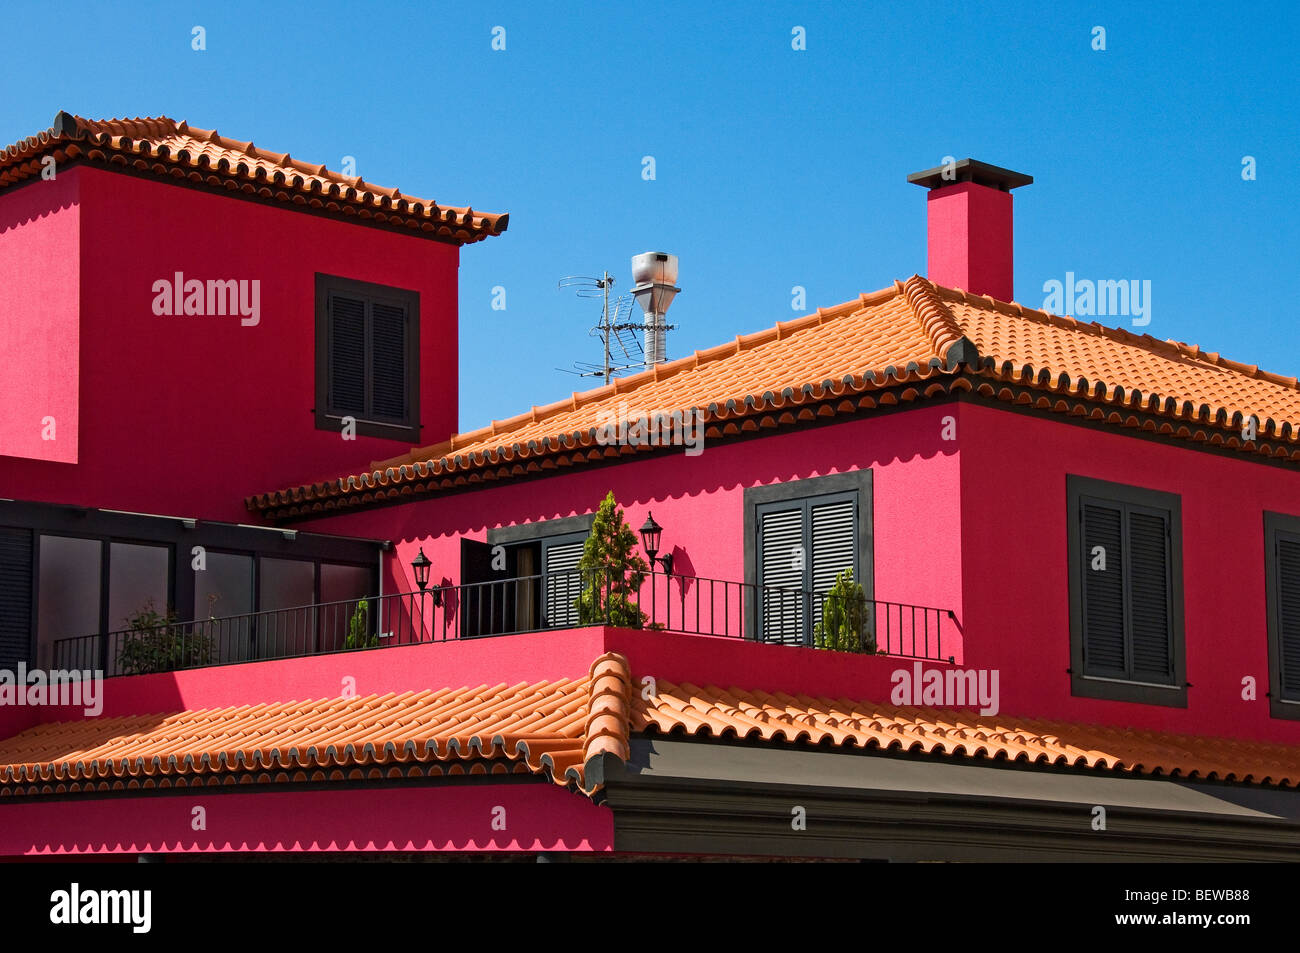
(971, 170)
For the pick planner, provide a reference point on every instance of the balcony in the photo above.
(688, 605)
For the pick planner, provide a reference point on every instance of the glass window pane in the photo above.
(338, 583)
(68, 602)
(223, 589)
(287, 584)
(347, 585)
(137, 577)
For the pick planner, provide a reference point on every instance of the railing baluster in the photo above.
(784, 615)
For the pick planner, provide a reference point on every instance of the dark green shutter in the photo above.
(1288, 608)
(368, 359)
(347, 355)
(388, 361)
(563, 583)
(1127, 606)
(791, 594)
(15, 596)
(833, 547)
(1149, 615)
(1103, 591)
(781, 574)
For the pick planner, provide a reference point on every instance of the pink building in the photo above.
(1078, 551)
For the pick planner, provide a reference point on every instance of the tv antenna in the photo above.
(655, 274)
(622, 350)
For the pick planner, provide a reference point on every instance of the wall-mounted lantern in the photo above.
(651, 533)
(422, 564)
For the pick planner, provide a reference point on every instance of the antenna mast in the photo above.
(620, 345)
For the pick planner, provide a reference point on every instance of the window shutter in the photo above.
(16, 606)
(562, 590)
(1148, 568)
(780, 532)
(388, 361)
(477, 600)
(367, 357)
(832, 542)
(833, 547)
(347, 355)
(1103, 591)
(1288, 607)
(16, 553)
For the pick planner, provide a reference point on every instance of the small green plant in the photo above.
(844, 623)
(611, 571)
(359, 634)
(157, 642)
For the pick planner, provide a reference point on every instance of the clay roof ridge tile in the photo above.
(936, 319)
(169, 139)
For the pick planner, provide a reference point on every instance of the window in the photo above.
(563, 584)
(1126, 593)
(341, 589)
(1282, 597)
(345, 583)
(139, 576)
(523, 578)
(311, 605)
(367, 342)
(287, 584)
(799, 537)
(69, 575)
(89, 586)
(223, 589)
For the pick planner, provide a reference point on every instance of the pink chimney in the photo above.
(968, 211)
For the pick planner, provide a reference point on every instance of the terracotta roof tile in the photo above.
(1091, 354)
(926, 340)
(557, 728)
(787, 719)
(178, 152)
(551, 728)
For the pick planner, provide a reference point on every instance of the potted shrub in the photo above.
(611, 571)
(359, 634)
(156, 642)
(845, 617)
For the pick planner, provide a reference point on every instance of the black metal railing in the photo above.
(685, 604)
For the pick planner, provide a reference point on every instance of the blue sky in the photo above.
(774, 168)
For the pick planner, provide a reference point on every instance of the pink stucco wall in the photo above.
(981, 531)
(505, 660)
(700, 503)
(39, 330)
(1016, 589)
(414, 668)
(538, 817)
(170, 406)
